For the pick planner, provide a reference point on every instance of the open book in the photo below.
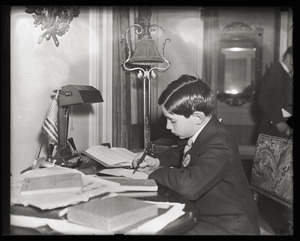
(111, 157)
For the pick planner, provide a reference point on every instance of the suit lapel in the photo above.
(204, 135)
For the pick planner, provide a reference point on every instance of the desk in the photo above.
(178, 226)
(183, 223)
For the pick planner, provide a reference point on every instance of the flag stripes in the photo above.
(50, 125)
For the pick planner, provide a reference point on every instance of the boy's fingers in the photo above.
(144, 163)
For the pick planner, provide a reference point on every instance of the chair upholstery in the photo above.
(272, 181)
(272, 170)
(265, 227)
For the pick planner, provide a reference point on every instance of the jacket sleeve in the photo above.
(208, 166)
(268, 100)
(171, 157)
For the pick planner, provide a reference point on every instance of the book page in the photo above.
(111, 156)
(124, 152)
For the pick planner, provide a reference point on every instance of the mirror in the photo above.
(238, 64)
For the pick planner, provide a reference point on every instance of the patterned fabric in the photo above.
(50, 125)
(272, 169)
(186, 157)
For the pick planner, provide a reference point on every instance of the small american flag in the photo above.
(50, 125)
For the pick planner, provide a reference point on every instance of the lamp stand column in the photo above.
(146, 93)
(63, 150)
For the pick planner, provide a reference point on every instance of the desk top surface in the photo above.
(164, 194)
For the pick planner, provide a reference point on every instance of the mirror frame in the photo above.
(241, 32)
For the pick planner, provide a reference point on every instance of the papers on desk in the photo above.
(169, 213)
(92, 186)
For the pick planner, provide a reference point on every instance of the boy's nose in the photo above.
(168, 125)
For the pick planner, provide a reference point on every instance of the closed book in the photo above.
(31, 211)
(111, 214)
(128, 184)
(67, 182)
(137, 194)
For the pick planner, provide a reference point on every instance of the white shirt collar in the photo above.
(285, 68)
(194, 137)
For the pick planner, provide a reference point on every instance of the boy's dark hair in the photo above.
(186, 95)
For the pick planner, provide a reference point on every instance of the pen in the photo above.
(143, 156)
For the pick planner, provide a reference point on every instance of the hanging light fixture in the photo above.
(145, 59)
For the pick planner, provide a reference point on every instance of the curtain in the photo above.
(210, 54)
(121, 99)
(127, 88)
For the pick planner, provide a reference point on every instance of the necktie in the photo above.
(186, 158)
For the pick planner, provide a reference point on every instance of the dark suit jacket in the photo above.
(276, 89)
(214, 180)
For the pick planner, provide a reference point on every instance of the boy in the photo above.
(210, 173)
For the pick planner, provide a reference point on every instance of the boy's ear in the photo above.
(198, 117)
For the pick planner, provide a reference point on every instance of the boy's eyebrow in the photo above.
(169, 118)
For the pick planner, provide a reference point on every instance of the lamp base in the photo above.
(63, 156)
(64, 153)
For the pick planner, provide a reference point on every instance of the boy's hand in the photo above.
(149, 163)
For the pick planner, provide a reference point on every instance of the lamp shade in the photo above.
(146, 53)
(79, 94)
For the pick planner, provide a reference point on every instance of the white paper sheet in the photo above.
(155, 225)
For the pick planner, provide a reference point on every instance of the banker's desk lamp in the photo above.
(71, 95)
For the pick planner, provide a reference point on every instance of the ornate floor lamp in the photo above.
(145, 59)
